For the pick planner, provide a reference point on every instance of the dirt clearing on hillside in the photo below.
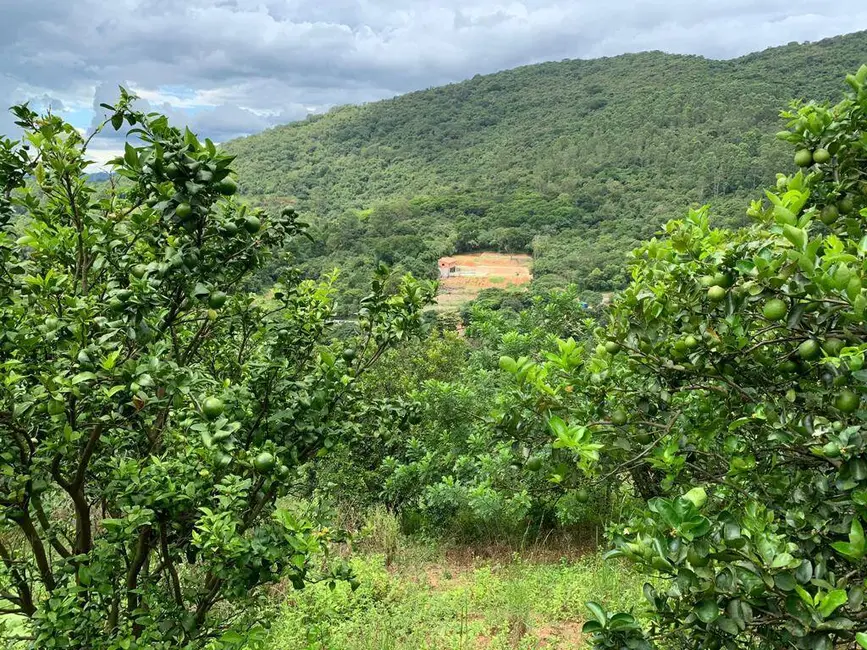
(462, 277)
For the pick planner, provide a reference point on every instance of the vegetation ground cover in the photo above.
(419, 595)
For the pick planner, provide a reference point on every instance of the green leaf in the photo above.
(130, 156)
(832, 601)
(805, 597)
(622, 620)
(784, 216)
(781, 560)
(855, 549)
(592, 627)
(861, 638)
(856, 535)
(190, 139)
(697, 495)
(797, 236)
(727, 625)
(508, 364)
(598, 612)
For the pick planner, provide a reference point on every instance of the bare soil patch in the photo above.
(477, 271)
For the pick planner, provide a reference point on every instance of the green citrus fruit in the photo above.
(831, 450)
(217, 299)
(706, 281)
(775, 309)
(809, 350)
(183, 210)
(230, 229)
(582, 495)
(716, 294)
(213, 408)
(619, 417)
(139, 270)
(723, 280)
(212, 314)
(803, 158)
(534, 464)
(227, 186)
(264, 462)
(612, 347)
(846, 205)
(349, 355)
(172, 171)
(788, 367)
(252, 224)
(830, 214)
(691, 342)
(833, 346)
(821, 156)
(643, 438)
(847, 401)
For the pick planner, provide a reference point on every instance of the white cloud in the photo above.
(236, 66)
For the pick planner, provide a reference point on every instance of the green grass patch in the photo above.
(426, 601)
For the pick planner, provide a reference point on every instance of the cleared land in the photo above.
(474, 272)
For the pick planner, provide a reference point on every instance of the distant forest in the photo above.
(575, 162)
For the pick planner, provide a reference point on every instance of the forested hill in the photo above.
(574, 161)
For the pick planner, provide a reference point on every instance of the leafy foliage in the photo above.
(461, 462)
(151, 412)
(727, 390)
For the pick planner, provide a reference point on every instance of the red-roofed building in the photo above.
(447, 266)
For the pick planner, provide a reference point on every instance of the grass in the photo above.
(450, 599)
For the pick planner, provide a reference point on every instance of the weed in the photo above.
(425, 600)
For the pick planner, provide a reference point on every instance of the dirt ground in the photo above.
(474, 272)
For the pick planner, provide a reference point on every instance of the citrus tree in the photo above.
(728, 391)
(151, 411)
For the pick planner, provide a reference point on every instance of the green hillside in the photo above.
(574, 161)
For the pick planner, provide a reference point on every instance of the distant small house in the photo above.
(447, 266)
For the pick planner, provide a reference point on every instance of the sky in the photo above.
(228, 68)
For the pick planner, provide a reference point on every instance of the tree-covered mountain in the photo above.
(575, 161)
